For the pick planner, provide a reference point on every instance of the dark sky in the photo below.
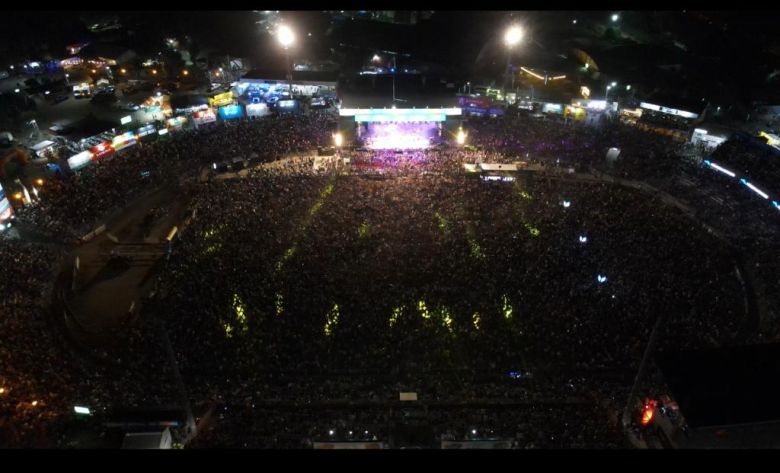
(720, 50)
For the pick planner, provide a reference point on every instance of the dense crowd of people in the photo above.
(75, 206)
(382, 273)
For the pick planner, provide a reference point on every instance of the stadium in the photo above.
(390, 278)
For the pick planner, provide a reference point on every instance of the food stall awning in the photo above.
(42, 145)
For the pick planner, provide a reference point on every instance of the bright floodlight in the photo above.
(461, 137)
(376, 58)
(285, 35)
(615, 17)
(613, 84)
(338, 139)
(81, 410)
(513, 35)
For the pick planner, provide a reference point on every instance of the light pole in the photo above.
(394, 68)
(286, 38)
(512, 37)
(606, 93)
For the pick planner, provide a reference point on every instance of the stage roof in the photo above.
(363, 115)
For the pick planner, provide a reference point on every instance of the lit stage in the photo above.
(398, 128)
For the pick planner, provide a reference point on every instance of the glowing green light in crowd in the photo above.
(286, 256)
(363, 230)
(394, 317)
(214, 231)
(446, 318)
(507, 307)
(228, 330)
(316, 207)
(423, 310)
(240, 310)
(321, 201)
(476, 250)
(279, 304)
(213, 248)
(525, 195)
(331, 319)
(532, 230)
(476, 319)
(442, 222)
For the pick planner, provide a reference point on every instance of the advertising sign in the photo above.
(204, 116)
(102, 150)
(230, 112)
(220, 100)
(78, 161)
(257, 110)
(123, 141)
(146, 131)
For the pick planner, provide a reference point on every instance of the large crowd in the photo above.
(386, 272)
(75, 206)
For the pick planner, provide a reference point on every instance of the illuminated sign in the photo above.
(597, 104)
(146, 131)
(412, 117)
(771, 139)
(204, 116)
(123, 141)
(125, 120)
(498, 178)
(231, 111)
(176, 122)
(670, 111)
(400, 114)
(102, 150)
(286, 103)
(257, 110)
(220, 100)
(78, 161)
(5, 207)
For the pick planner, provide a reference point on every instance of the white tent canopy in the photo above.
(42, 145)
